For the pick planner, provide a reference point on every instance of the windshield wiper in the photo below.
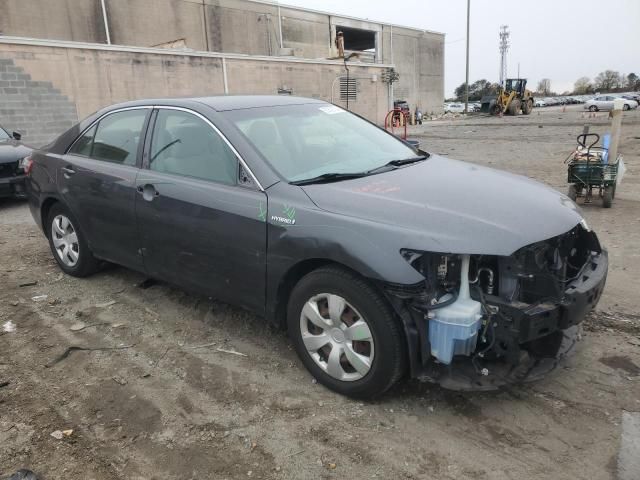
(329, 177)
(393, 164)
(332, 177)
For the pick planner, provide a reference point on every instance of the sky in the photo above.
(558, 39)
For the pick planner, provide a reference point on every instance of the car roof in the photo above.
(223, 103)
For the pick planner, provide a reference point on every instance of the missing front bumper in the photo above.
(531, 339)
(462, 375)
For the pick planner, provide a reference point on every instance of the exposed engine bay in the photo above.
(481, 316)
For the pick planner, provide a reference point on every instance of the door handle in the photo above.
(68, 171)
(148, 191)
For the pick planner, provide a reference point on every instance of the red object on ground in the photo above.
(396, 118)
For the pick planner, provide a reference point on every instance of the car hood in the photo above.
(445, 205)
(10, 151)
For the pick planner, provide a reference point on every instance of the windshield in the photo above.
(306, 141)
(3, 135)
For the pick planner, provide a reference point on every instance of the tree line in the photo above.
(607, 81)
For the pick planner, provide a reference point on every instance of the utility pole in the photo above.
(504, 47)
(466, 89)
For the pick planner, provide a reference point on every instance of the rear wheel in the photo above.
(527, 107)
(572, 193)
(345, 333)
(593, 108)
(607, 197)
(626, 107)
(68, 245)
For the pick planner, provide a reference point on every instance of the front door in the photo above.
(199, 226)
(97, 181)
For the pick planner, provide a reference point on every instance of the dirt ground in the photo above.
(164, 403)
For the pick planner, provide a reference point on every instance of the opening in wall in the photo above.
(359, 40)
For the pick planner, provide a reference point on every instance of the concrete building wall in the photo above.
(62, 83)
(308, 33)
(430, 72)
(232, 26)
(148, 23)
(76, 20)
(419, 60)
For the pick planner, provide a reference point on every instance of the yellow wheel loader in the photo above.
(511, 100)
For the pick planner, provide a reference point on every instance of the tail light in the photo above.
(26, 164)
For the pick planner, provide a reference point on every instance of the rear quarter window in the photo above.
(115, 138)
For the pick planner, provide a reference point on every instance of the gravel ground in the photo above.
(167, 400)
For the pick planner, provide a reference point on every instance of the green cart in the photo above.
(589, 171)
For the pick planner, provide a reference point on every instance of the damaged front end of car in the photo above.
(482, 321)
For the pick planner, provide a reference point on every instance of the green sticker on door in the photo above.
(262, 214)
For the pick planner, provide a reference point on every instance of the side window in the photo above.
(115, 139)
(184, 144)
(84, 143)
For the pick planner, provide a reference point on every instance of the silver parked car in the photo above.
(605, 102)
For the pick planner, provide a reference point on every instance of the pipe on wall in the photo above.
(106, 21)
(280, 26)
(224, 76)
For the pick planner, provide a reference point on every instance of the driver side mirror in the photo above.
(16, 135)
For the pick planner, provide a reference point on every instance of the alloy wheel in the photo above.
(65, 240)
(337, 337)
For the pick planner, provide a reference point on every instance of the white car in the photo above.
(540, 103)
(605, 102)
(454, 108)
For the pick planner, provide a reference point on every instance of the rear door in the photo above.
(200, 226)
(97, 181)
(609, 102)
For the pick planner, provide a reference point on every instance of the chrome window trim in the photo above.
(95, 122)
(220, 134)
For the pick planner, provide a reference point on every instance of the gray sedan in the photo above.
(379, 259)
(605, 103)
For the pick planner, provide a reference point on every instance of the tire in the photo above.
(593, 108)
(626, 107)
(514, 107)
(78, 261)
(607, 197)
(572, 193)
(381, 354)
(527, 107)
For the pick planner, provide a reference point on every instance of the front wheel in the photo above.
(626, 107)
(514, 107)
(593, 108)
(345, 333)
